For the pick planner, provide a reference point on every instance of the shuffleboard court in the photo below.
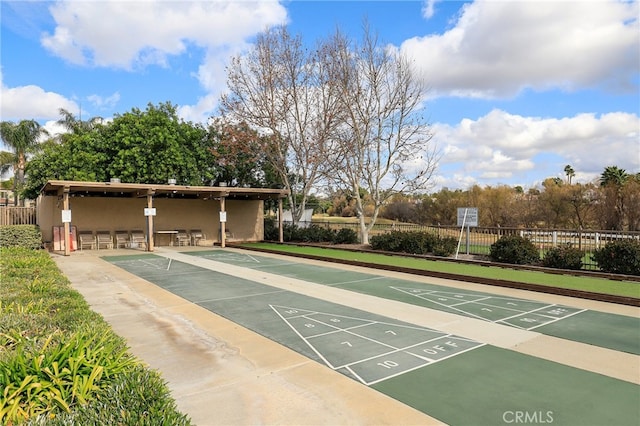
(617, 332)
(454, 379)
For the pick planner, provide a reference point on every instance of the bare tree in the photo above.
(281, 88)
(382, 145)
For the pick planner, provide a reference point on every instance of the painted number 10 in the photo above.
(388, 364)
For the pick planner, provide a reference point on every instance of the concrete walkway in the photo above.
(221, 373)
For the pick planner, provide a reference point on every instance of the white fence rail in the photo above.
(481, 238)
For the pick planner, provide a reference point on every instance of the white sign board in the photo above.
(468, 216)
(66, 216)
(150, 211)
(223, 217)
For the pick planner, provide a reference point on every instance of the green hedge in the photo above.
(310, 234)
(619, 257)
(563, 257)
(27, 236)
(414, 242)
(514, 249)
(60, 362)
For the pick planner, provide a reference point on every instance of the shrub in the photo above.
(563, 257)
(316, 234)
(60, 363)
(514, 249)
(27, 236)
(271, 229)
(310, 234)
(619, 257)
(136, 397)
(413, 242)
(346, 236)
(445, 246)
(386, 242)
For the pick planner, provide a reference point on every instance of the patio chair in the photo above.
(182, 238)
(103, 239)
(196, 236)
(122, 239)
(86, 239)
(138, 239)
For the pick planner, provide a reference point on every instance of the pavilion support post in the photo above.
(67, 234)
(223, 222)
(280, 229)
(150, 221)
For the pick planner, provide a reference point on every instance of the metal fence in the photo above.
(478, 240)
(17, 216)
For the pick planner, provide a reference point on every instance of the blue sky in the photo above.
(518, 89)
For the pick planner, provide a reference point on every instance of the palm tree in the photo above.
(77, 126)
(569, 172)
(22, 139)
(613, 175)
(612, 180)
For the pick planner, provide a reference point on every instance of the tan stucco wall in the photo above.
(244, 217)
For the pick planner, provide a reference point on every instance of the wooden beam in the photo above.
(223, 230)
(280, 228)
(67, 236)
(150, 194)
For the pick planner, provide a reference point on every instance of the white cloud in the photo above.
(505, 148)
(428, 8)
(201, 111)
(32, 102)
(133, 35)
(137, 33)
(498, 48)
(102, 102)
(54, 128)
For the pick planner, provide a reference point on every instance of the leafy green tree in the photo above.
(23, 139)
(148, 146)
(154, 145)
(77, 157)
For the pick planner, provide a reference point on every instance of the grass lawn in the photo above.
(596, 285)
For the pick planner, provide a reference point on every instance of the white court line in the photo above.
(501, 320)
(471, 301)
(558, 319)
(336, 328)
(271, 265)
(241, 296)
(357, 281)
(169, 265)
(161, 272)
(154, 265)
(509, 309)
(299, 335)
(443, 305)
(429, 363)
(348, 330)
